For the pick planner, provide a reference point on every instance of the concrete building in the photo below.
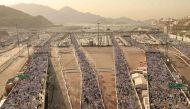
(144, 93)
(140, 83)
(136, 75)
(137, 71)
(146, 103)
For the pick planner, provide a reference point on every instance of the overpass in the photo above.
(96, 32)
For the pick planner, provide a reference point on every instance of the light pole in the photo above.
(166, 40)
(98, 34)
(28, 47)
(18, 42)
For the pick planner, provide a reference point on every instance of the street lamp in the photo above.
(28, 47)
(98, 34)
(18, 42)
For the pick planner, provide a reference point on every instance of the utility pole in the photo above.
(28, 48)
(18, 42)
(166, 42)
(98, 34)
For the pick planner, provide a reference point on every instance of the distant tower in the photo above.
(166, 33)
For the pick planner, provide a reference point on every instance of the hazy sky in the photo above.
(136, 9)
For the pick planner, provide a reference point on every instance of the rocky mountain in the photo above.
(67, 15)
(12, 17)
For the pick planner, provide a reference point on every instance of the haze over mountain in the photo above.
(11, 17)
(67, 15)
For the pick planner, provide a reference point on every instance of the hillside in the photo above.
(70, 15)
(11, 17)
(67, 15)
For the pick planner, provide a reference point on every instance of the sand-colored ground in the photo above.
(13, 69)
(106, 80)
(181, 67)
(68, 59)
(135, 57)
(102, 58)
(74, 85)
(7, 48)
(56, 98)
(72, 75)
(7, 55)
(59, 95)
